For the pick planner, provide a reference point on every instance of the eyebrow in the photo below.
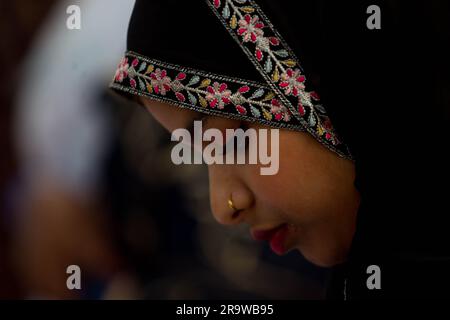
(201, 117)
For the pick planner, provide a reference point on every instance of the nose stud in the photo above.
(231, 205)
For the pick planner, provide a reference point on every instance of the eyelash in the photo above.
(243, 126)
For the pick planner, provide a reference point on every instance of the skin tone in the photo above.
(313, 190)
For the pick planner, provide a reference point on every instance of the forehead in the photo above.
(170, 117)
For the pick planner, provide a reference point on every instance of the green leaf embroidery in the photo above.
(194, 80)
(258, 93)
(142, 67)
(226, 11)
(312, 119)
(320, 108)
(192, 98)
(281, 53)
(255, 111)
(268, 65)
(141, 84)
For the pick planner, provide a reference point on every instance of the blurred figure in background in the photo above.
(62, 139)
(18, 23)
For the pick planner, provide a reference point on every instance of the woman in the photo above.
(337, 198)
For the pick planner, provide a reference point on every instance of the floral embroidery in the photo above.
(276, 62)
(250, 28)
(280, 111)
(160, 81)
(292, 82)
(283, 101)
(198, 90)
(329, 131)
(218, 95)
(122, 70)
(202, 91)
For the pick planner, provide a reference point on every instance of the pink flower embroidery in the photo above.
(160, 81)
(279, 111)
(250, 28)
(241, 110)
(329, 131)
(301, 109)
(292, 81)
(122, 70)
(314, 95)
(263, 45)
(218, 95)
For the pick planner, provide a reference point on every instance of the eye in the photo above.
(239, 146)
(236, 143)
(204, 119)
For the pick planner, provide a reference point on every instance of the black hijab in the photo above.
(392, 89)
(387, 94)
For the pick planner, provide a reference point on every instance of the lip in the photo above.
(276, 237)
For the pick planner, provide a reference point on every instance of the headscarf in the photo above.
(386, 92)
(227, 58)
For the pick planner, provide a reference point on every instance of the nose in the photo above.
(230, 199)
(231, 209)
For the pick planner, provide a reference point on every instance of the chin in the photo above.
(323, 259)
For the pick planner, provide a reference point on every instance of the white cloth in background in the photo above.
(60, 130)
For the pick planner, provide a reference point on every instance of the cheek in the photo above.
(288, 196)
(300, 191)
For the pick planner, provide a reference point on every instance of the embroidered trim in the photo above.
(202, 91)
(273, 58)
(283, 102)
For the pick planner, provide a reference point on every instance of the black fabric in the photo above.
(395, 119)
(186, 33)
(387, 93)
(293, 106)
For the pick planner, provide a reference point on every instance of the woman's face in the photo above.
(309, 205)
